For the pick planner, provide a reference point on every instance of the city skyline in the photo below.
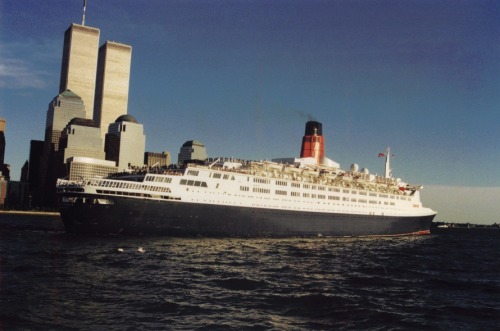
(416, 76)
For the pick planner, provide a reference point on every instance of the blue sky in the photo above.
(243, 77)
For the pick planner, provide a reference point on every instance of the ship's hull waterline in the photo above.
(175, 218)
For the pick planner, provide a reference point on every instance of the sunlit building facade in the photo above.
(83, 168)
(79, 63)
(125, 143)
(112, 84)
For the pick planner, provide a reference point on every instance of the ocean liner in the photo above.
(306, 196)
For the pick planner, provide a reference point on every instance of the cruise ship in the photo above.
(306, 196)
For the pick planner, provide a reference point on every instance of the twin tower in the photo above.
(100, 76)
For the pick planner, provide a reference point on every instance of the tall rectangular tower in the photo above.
(112, 85)
(2, 141)
(79, 63)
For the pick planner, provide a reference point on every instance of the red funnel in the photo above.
(313, 144)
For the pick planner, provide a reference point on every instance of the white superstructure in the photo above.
(270, 185)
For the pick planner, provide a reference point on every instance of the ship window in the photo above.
(373, 194)
(345, 199)
(167, 180)
(373, 202)
(362, 193)
(295, 185)
(225, 177)
(333, 197)
(193, 172)
(306, 195)
(354, 192)
(197, 183)
(280, 192)
(244, 188)
(345, 191)
(295, 194)
(183, 182)
(321, 196)
(190, 182)
(203, 184)
(306, 186)
(217, 175)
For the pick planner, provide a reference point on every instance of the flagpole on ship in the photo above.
(387, 155)
(388, 163)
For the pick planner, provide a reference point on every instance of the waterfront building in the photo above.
(4, 168)
(3, 190)
(112, 84)
(35, 159)
(81, 137)
(152, 159)
(2, 141)
(192, 150)
(79, 63)
(125, 143)
(83, 168)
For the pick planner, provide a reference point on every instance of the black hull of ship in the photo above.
(175, 218)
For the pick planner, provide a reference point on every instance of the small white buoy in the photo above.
(120, 250)
(141, 250)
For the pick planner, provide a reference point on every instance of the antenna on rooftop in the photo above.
(84, 9)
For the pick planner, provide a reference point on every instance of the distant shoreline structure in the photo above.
(451, 225)
(29, 212)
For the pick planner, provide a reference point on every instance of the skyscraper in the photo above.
(62, 109)
(192, 150)
(36, 156)
(112, 84)
(125, 143)
(81, 137)
(79, 63)
(2, 141)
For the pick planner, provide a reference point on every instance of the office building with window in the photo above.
(192, 150)
(125, 143)
(112, 83)
(83, 168)
(79, 64)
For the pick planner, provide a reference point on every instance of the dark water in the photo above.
(50, 280)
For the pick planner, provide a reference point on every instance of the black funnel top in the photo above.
(311, 125)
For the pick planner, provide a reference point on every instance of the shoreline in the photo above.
(28, 212)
